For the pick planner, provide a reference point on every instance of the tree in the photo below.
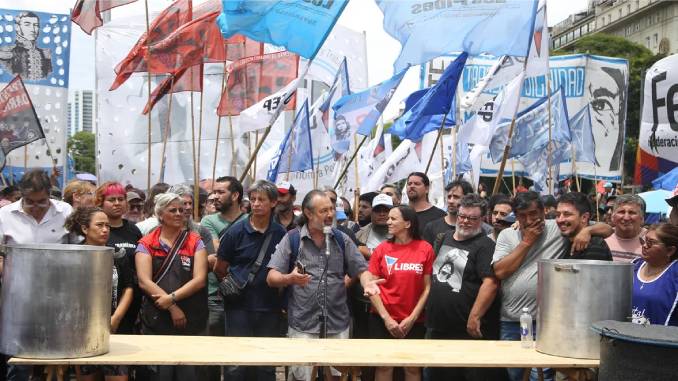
(81, 149)
(640, 59)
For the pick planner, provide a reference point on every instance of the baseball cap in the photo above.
(510, 218)
(608, 185)
(673, 200)
(133, 196)
(284, 187)
(382, 199)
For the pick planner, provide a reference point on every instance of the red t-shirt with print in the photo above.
(403, 267)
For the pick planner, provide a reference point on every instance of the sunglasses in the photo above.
(135, 207)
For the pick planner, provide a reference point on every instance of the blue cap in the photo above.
(510, 218)
(341, 215)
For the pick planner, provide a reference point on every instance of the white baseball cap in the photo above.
(382, 199)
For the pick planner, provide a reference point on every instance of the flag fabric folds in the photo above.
(251, 79)
(338, 128)
(263, 113)
(433, 105)
(295, 153)
(531, 130)
(582, 136)
(187, 79)
(87, 13)
(19, 123)
(362, 110)
(301, 26)
(428, 30)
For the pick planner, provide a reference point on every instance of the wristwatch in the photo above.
(174, 298)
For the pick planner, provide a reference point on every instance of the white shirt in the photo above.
(18, 227)
(148, 224)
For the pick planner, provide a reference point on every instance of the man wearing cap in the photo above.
(135, 207)
(284, 210)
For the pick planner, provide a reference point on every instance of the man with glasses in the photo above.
(135, 207)
(462, 303)
(628, 216)
(34, 218)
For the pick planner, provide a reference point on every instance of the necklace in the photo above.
(651, 276)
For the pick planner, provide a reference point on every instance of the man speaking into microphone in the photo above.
(312, 261)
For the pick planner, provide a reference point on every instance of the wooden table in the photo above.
(204, 350)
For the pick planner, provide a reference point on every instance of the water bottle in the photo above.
(526, 337)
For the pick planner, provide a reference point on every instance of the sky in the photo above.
(359, 15)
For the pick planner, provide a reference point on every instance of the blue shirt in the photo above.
(240, 247)
(656, 300)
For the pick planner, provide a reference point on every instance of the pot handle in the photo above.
(566, 268)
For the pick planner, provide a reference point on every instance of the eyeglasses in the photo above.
(210, 201)
(176, 210)
(470, 218)
(135, 206)
(649, 242)
(30, 203)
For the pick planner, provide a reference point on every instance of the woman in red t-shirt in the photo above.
(405, 262)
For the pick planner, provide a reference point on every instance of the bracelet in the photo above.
(174, 298)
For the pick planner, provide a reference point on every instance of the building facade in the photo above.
(651, 23)
(81, 111)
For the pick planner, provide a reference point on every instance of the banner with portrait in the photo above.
(600, 83)
(658, 142)
(36, 46)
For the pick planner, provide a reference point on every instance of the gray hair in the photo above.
(473, 200)
(264, 186)
(162, 200)
(181, 190)
(629, 199)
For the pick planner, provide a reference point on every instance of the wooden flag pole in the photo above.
(234, 152)
(355, 162)
(253, 156)
(148, 44)
(26, 157)
(195, 168)
(513, 176)
(163, 159)
(595, 187)
(574, 166)
(350, 160)
(200, 134)
(442, 165)
(549, 147)
(438, 137)
(216, 140)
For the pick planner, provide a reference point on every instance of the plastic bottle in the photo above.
(526, 337)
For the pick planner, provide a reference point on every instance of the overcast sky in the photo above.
(360, 15)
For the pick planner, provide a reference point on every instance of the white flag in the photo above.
(263, 113)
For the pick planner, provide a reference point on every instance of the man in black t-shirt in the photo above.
(462, 303)
(573, 213)
(417, 193)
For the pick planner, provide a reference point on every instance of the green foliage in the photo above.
(640, 59)
(81, 148)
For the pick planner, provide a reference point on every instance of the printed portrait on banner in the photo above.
(36, 46)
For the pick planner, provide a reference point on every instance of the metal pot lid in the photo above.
(655, 335)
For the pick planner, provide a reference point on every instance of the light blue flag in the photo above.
(462, 163)
(416, 130)
(430, 29)
(338, 128)
(301, 26)
(295, 153)
(582, 136)
(531, 131)
(362, 110)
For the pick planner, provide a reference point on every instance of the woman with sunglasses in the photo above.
(655, 284)
(172, 270)
(405, 261)
(92, 223)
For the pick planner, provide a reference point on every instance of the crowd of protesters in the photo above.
(253, 262)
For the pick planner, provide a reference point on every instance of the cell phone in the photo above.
(301, 268)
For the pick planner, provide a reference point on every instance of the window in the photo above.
(609, 18)
(628, 9)
(647, 42)
(576, 33)
(655, 41)
(637, 26)
(620, 13)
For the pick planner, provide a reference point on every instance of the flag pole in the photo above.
(253, 156)
(438, 137)
(513, 175)
(549, 160)
(574, 166)
(355, 163)
(216, 140)
(199, 133)
(163, 159)
(26, 157)
(148, 44)
(348, 164)
(195, 168)
(595, 187)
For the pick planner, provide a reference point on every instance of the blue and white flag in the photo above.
(582, 136)
(430, 29)
(338, 128)
(435, 104)
(362, 110)
(295, 153)
(531, 131)
(301, 26)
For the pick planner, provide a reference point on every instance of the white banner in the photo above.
(595, 81)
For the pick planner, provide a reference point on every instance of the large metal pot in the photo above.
(571, 295)
(56, 301)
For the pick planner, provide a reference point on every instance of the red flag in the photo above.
(19, 124)
(189, 79)
(87, 13)
(173, 17)
(252, 79)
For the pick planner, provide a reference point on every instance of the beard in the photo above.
(465, 233)
(283, 208)
(225, 206)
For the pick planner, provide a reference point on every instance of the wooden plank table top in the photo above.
(204, 350)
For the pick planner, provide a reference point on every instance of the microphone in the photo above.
(327, 230)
